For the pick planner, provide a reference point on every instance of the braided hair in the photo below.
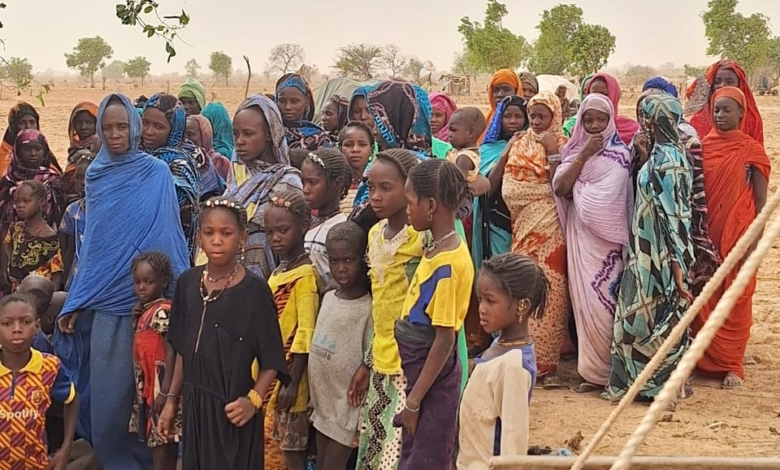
(520, 278)
(404, 160)
(160, 263)
(334, 165)
(226, 203)
(38, 188)
(440, 180)
(357, 125)
(293, 202)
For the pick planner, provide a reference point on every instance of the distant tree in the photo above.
(773, 59)
(491, 46)
(138, 68)
(551, 51)
(731, 35)
(221, 65)
(285, 58)
(413, 69)
(88, 56)
(691, 71)
(19, 71)
(638, 74)
(393, 61)
(358, 60)
(589, 49)
(192, 67)
(464, 65)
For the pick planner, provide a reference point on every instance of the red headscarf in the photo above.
(443, 103)
(701, 98)
(502, 76)
(626, 127)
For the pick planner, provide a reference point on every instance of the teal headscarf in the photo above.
(222, 126)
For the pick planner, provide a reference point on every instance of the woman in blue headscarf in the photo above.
(95, 328)
(296, 104)
(222, 127)
(164, 126)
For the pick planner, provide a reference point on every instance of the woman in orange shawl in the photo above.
(22, 116)
(82, 132)
(502, 84)
(736, 175)
(536, 228)
(700, 99)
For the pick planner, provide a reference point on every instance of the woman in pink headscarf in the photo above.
(443, 107)
(607, 85)
(593, 197)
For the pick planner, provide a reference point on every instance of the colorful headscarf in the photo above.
(402, 114)
(275, 126)
(193, 89)
(660, 83)
(495, 131)
(528, 148)
(662, 112)
(529, 79)
(221, 164)
(54, 206)
(302, 134)
(626, 127)
(93, 143)
(222, 126)
(446, 105)
(19, 110)
(295, 80)
(502, 76)
(342, 112)
(699, 103)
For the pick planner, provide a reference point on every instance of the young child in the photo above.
(294, 287)
(228, 349)
(29, 381)
(433, 313)
(466, 126)
(325, 175)
(560, 92)
(31, 245)
(341, 340)
(357, 144)
(493, 417)
(153, 357)
(74, 220)
(394, 250)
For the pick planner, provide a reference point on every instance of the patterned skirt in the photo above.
(380, 442)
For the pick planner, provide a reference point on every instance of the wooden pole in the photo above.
(638, 463)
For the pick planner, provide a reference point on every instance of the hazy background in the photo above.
(648, 32)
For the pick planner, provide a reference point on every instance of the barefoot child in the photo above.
(357, 144)
(153, 357)
(394, 250)
(31, 245)
(74, 220)
(493, 416)
(433, 313)
(228, 349)
(294, 287)
(325, 175)
(341, 339)
(29, 381)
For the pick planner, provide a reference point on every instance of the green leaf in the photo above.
(148, 9)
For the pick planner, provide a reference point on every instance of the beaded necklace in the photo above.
(211, 297)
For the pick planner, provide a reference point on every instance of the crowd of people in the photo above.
(379, 290)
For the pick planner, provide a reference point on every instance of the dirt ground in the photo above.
(712, 422)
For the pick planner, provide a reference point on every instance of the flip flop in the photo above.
(552, 383)
(587, 387)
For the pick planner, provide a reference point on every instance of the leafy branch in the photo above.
(145, 13)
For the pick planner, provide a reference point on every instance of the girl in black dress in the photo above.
(229, 349)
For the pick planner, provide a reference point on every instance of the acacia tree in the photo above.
(138, 68)
(88, 56)
(113, 71)
(551, 53)
(590, 48)
(285, 58)
(221, 65)
(463, 64)
(394, 62)
(490, 45)
(731, 35)
(192, 67)
(358, 60)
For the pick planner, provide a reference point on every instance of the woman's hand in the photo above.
(67, 322)
(640, 144)
(165, 426)
(358, 387)
(60, 460)
(287, 397)
(548, 142)
(593, 146)
(240, 411)
(159, 403)
(410, 419)
(678, 281)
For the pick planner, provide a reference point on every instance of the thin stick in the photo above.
(655, 462)
(248, 76)
(732, 261)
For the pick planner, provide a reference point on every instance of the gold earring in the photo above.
(243, 254)
(430, 216)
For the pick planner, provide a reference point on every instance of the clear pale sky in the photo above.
(649, 32)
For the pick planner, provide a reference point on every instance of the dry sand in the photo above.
(712, 422)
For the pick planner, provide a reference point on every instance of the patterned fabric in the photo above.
(25, 397)
(92, 144)
(649, 303)
(595, 220)
(53, 206)
(18, 111)
(699, 103)
(149, 352)
(221, 163)
(193, 89)
(502, 76)
(32, 255)
(342, 113)
(380, 441)
(660, 83)
(495, 131)
(402, 114)
(626, 127)
(181, 163)
(536, 230)
(303, 133)
(222, 126)
(446, 105)
(527, 78)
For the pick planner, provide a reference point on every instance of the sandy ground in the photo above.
(712, 422)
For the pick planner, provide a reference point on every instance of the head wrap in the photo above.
(660, 83)
(626, 127)
(221, 164)
(222, 126)
(446, 105)
(75, 143)
(342, 111)
(302, 133)
(295, 80)
(528, 153)
(275, 127)
(502, 76)
(529, 79)
(193, 89)
(662, 112)
(495, 130)
(402, 114)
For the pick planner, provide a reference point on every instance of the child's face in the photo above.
(497, 310)
(417, 208)
(84, 125)
(284, 231)
(346, 263)
(221, 236)
(461, 134)
(147, 283)
(386, 189)
(317, 190)
(356, 146)
(595, 121)
(26, 202)
(31, 155)
(17, 327)
(513, 120)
